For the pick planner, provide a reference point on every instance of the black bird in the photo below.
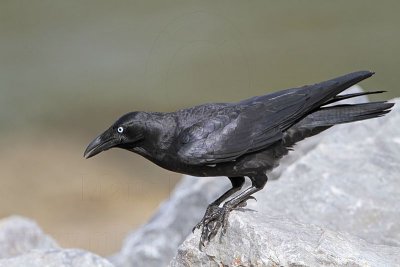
(246, 138)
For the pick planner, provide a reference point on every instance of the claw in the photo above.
(243, 203)
(216, 218)
(225, 223)
(201, 245)
(197, 226)
(213, 231)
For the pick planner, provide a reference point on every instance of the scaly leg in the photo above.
(237, 183)
(219, 216)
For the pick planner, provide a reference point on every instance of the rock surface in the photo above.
(258, 240)
(23, 243)
(156, 242)
(19, 235)
(56, 258)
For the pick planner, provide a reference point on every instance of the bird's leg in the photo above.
(219, 218)
(237, 183)
(213, 208)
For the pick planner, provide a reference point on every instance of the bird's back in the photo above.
(189, 116)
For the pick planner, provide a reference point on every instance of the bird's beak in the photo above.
(98, 145)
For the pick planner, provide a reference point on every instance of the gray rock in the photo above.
(56, 258)
(155, 243)
(23, 243)
(19, 235)
(255, 239)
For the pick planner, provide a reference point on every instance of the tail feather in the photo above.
(328, 90)
(322, 116)
(347, 96)
(329, 116)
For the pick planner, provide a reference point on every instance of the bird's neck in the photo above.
(159, 130)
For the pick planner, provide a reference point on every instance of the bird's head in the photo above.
(125, 133)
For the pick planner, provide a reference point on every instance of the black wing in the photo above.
(255, 123)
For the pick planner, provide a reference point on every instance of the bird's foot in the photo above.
(211, 210)
(215, 218)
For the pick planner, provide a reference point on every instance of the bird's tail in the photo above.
(347, 96)
(331, 115)
(328, 91)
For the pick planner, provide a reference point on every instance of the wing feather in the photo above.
(237, 130)
(232, 130)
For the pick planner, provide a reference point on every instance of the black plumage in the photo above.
(246, 138)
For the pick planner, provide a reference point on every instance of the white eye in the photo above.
(120, 130)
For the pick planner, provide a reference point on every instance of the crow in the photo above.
(237, 140)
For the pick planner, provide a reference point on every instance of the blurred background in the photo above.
(68, 69)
